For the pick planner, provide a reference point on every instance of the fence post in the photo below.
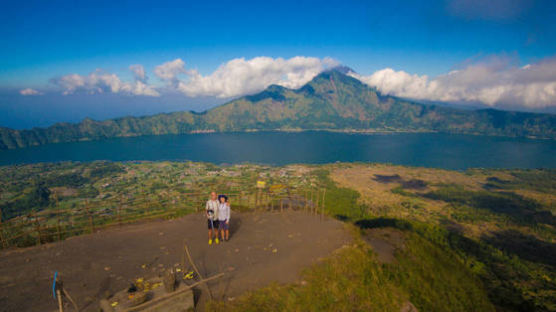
(257, 199)
(309, 201)
(91, 224)
(58, 220)
(4, 244)
(119, 215)
(38, 228)
(289, 200)
(317, 207)
(268, 201)
(195, 202)
(281, 204)
(58, 226)
(322, 204)
(264, 201)
(119, 210)
(312, 202)
(306, 201)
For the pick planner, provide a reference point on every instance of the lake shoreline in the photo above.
(435, 150)
(344, 131)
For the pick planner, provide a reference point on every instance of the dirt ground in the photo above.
(263, 248)
(385, 242)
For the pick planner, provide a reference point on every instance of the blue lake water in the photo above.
(279, 148)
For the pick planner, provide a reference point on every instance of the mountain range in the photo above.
(333, 100)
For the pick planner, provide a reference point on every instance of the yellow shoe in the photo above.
(210, 242)
(217, 241)
(188, 275)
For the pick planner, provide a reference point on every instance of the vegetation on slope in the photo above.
(348, 281)
(353, 280)
(497, 223)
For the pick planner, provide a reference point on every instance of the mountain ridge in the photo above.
(332, 101)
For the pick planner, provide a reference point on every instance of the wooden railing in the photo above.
(91, 215)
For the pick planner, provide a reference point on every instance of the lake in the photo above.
(279, 148)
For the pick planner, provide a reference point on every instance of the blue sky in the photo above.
(45, 40)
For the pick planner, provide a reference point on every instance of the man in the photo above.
(211, 211)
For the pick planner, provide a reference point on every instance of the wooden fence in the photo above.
(88, 216)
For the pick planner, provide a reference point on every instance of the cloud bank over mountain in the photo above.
(240, 76)
(496, 82)
(234, 78)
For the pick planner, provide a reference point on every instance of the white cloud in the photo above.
(240, 76)
(234, 78)
(141, 88)
(496, 83)
(138, 72)
(29, 91)
(170, 70)
(99, 82)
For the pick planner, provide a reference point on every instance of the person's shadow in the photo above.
(235, 224)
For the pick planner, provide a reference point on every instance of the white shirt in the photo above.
(223, 212)
(212, 205)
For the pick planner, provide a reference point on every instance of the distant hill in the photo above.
(331, 101)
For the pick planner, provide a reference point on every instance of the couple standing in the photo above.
(217, 211)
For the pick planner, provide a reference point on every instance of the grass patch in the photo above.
(542, 180)
(399, 190)
(441, 257)
(350, 280)
(340, 202)
(353, 280)
(435, 280)
(521, 210)
(430, 272)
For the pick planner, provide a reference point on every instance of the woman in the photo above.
(224, 217)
